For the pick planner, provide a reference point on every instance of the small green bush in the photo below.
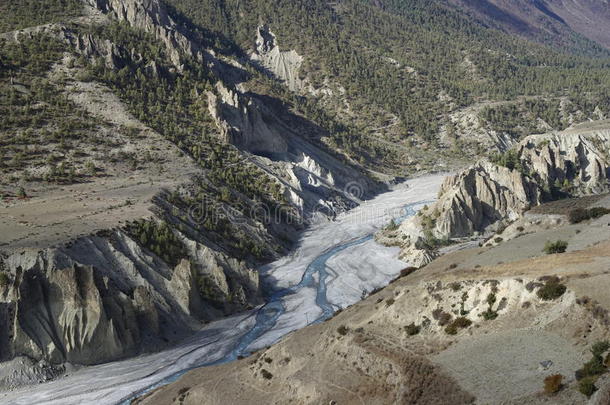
(21, 193)
(412, 329)
(457, 324)
(593, 367)
(392, 226)
(559, 246)
(587, 387)
(342, 330)
(4, 280)
(441, 316)
(600, 348)
(551, 290)
(489, 315)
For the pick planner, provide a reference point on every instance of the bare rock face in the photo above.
(241, 122)
(104, 298)
(482, 197)
(312, 178)
(578, 158)
(152, 17)
(284, 65)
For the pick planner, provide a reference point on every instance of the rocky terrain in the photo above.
(487, 197)
(157, 155)
(473, 326)
(78, 289)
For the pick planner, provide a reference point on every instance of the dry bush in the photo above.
(553, 383)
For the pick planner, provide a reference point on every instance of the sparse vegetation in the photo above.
(587, 387)
(599, 348)
(559, 246)
(490, 314)
(392, 226)
(342, 330)
(159, 239)
(4, 279)
(593, 369)
(441, 316)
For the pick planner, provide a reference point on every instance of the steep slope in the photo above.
(153, 204)
(394, 75)
(551, 21)
(488, 196)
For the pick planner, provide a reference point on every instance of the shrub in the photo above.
(441, 316)
(392, 226)
(579, 215)
(4, 280)
(489, 315)
(600, 348)
(587, 387)
(553, 383)
(559, 246)
(412, 329)
(21, 193)
(342, 330)
(458, 323)
(551, 290)
(266, 374)
(592, 368)
(407, 271)
(389, 301)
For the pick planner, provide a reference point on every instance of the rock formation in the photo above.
(483, 197)
(105, 297)
(284, 65)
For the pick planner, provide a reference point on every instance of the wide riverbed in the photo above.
(335, 265)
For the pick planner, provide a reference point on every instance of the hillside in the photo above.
(557, 22)
(154, 154)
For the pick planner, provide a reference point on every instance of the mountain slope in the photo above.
(154, 153)
(558, 22)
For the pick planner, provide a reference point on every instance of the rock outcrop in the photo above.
(284, 65)
(313, 180)
(152, 16)
(105, 297)
(485, 196)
